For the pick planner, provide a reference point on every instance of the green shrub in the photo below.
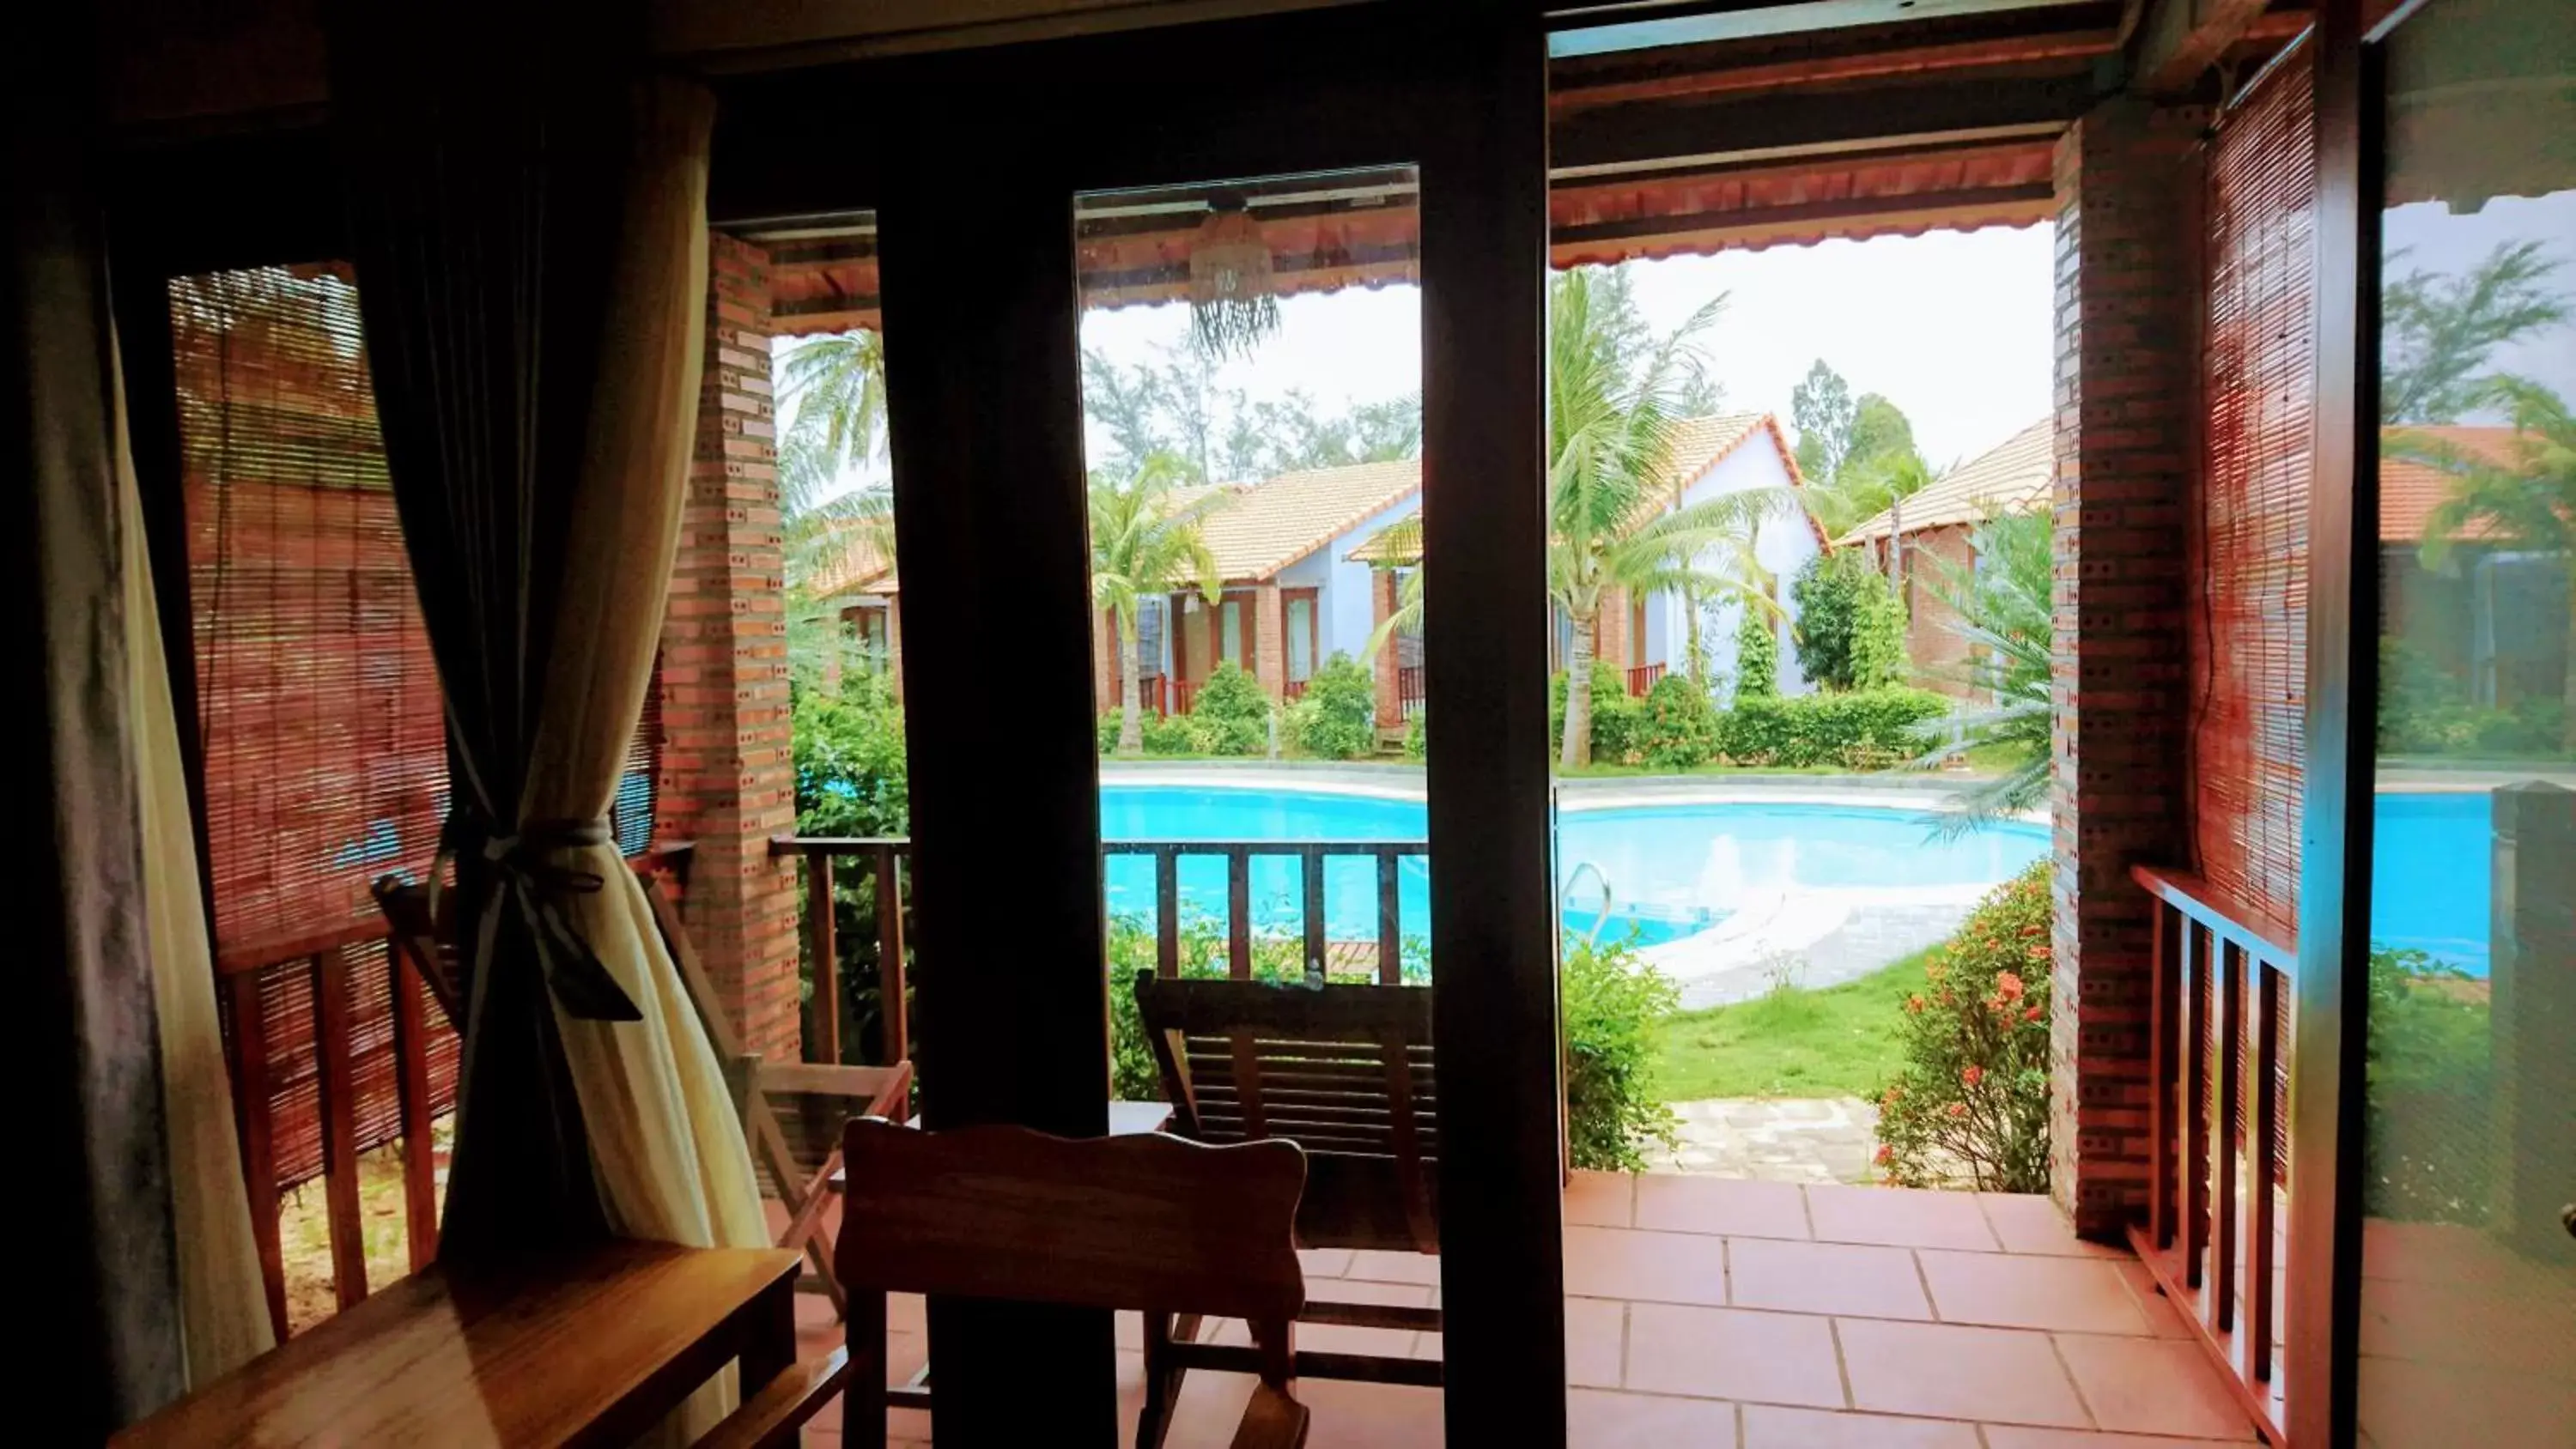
(1863, 730)
(1757, 656)
(1969, 1107)
(1417, 735)
(1613, 1005)
(1133, 1074)
(1337, 720)
(1231, 715)
(1878, 638)
(1838, 596)
(2425, 1157)
(1618, 722)
(848, 748)
(1679, 731)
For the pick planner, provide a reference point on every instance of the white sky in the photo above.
(2436, 239)
(1953, 327)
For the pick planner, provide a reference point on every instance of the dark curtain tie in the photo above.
(522, 876)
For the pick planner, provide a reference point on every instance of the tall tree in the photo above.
(2529, 499)
(2436, 332)
(1613, 520)
(1821, 406)
(1879, 429)
(1144, 541)
(831, 393)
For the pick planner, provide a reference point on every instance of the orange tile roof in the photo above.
(856, 567)
(2410, 490)
(1274, 523)
(1698, 444)
(2013, 476)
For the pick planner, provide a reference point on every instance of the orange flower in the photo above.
(2032, 1014)
(2008, 986)
(1886, 1153)
(1914, 1004)
(1958, 1109)
(1973, 1075)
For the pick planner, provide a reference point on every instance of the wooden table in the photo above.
(592, 1347)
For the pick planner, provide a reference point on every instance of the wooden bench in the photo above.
(1347, 1073)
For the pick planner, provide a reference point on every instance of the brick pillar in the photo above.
(1106, 667)
(2126, 189)
(727, 780)
(1382, 606)
(1610, 643)
(1269, 640)
(894, 644)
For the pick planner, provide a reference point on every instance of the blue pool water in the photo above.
(2429, 879)
(1671, 870)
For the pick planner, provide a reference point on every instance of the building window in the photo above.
(1301, 640)
(1230, 627)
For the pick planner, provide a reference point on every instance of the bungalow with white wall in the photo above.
(1648, 637)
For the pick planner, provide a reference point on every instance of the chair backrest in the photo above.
(1345, 1071)
(429, 944)
(1148, 1222)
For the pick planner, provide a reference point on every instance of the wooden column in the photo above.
(1494, 928)
(985, 417)
(2533, 1015)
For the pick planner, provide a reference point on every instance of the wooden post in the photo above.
(892, 1011)
(331, 1043)
(1390, 920)
(1238, 913)
(251, 1109)
(1167, 912)
(2532, 1015)
(1317, 946)
(2231, 1102)
(826, 1045)
(411, 1081)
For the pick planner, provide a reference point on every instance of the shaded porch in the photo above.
(1715, 1313)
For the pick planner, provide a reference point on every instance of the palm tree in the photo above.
(1145, 539)
(1613, 521)
(2530, 499)
(2001, 605)
(831, 393)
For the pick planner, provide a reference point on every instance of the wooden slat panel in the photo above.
(339, 1129)
(892, 1008)
(826, 955)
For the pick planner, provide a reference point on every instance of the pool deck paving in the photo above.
(1774, 1139)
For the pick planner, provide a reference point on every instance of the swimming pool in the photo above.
(1671, 870)
(2430, 877)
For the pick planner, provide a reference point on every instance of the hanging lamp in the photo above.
(1232, 307)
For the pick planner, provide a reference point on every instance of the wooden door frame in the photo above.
(1314, 597)
(976, 248)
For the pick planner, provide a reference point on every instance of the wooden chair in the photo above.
(1171, 1228)
(1345, 1072)
(864, 1091)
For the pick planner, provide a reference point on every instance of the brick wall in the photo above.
(1610, 642)
(2125, 184)
(727, 779)
(1269, 640)
(1382, 606)
(1932, 638)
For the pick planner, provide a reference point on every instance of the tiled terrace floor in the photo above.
(1708, 1312)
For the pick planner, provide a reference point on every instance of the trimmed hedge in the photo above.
(1868, 729)
(1617, 721)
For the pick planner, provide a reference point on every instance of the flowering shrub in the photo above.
(1970, 1105)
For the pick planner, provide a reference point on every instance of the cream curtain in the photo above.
(665, 1142)
(223, 1305)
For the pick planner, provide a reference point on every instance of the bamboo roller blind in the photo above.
(318, 702)
(2249, 685)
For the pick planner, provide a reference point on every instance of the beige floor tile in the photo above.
(1845, 1278)
(2019, 1436)
(2080, 1295)
(1723, 1353)
(1948, 1371)
(1768, 1426)
(1899, 1216)
(1600, 1199)
(1596, 1331)
(1651, 1267)
(1682, 1204)
(2151, 1386)
(2027, 1222)
(1383, 1267)
(1596, 1420)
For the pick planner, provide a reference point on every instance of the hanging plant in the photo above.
(1231, 305)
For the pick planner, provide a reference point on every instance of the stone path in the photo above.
(1775, 1139)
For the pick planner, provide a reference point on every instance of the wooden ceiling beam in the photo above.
(2178, 41)
(1646, 133)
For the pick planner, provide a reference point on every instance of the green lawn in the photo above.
(1840, 1041)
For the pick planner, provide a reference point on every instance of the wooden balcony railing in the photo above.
(2219, 1028)
(1320, 954)
(886, 860)
(336, 1048)
(1293, 690)
(1408, 689)
(1184, 695)
(1642, 678)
